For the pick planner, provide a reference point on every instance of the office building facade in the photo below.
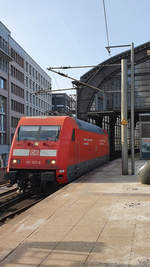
(63, 103)
(21, 80)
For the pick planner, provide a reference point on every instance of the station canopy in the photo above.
(102, 73)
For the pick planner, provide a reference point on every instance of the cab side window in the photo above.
(73, 135)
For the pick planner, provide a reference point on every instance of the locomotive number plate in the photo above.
(34, 152)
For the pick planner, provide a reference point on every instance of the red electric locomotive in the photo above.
(55, 149)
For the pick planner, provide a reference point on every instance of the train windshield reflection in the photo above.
(37, 132)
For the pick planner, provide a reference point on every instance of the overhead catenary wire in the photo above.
(72, 67)
(53, 69)
(51, 91)
(80, 67)
(79, 82)
(106, 25)
(55, 80)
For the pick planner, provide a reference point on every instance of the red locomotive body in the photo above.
(55, 149)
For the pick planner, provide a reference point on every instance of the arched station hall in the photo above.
(104, 108)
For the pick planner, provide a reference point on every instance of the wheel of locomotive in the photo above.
(22, 186)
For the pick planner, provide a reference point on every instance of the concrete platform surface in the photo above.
(102, 219)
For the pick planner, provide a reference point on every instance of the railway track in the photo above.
(17, 205)
(6, 192)
(3, 183)
(12, 204)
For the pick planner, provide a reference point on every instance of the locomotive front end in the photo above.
(33, 156)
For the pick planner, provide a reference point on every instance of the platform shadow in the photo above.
(73, 254)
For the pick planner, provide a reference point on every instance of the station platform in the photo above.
(101, 219)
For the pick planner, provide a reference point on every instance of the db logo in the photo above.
(34, 152)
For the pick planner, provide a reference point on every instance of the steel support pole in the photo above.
(124, 117)
(132, 110)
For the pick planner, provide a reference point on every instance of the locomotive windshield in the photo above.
(37, 132)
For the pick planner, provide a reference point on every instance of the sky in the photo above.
(73, 33)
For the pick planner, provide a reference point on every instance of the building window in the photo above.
(2, 138)
(27, 67)
(27, 81)
(17, 107)
(27, 110)
(30, 69)
(39, 77)
(2, 83)
(17, 58)
(14, 122)
(4, 45)
(30, 84)
(33, 70)
(2, 104)
(16, 90)
(27, 96)
(17, 74)
(33, 99)
(33, 86)
(2, 120)
(3, 65)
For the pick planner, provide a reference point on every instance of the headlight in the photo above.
(16, 161)
(53, 161)
(36, 143)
